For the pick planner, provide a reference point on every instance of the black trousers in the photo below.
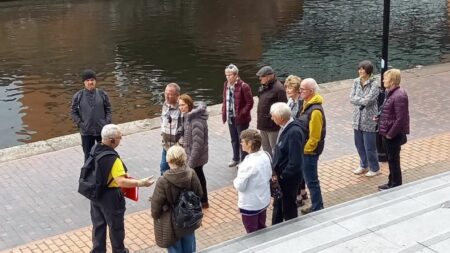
(285, 208)
(393, 147)
(201, 177)
(87, 142)
(235, 132)
(109, 211)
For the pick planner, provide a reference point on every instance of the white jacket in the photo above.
(252, 181)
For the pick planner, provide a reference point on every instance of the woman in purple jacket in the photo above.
(394, 125)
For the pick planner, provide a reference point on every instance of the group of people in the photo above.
(279, 159)
(293, 140)
(184, 135)
(292, 129)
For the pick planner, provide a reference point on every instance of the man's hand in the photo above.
(146, 182)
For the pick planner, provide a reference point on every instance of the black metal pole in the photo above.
(384, 50)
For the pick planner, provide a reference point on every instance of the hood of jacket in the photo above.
(101, 147)
(293, 123)
(316, 99)
(180, 177)
(198, 112)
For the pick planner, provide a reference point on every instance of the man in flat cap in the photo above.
(270, 92)
(90, 111)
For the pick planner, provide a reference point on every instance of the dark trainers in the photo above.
(384, 187)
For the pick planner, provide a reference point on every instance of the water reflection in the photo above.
(137, 47)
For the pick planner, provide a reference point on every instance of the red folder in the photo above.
(131, 193)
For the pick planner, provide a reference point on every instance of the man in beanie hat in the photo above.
(90, 111)
(270, 92)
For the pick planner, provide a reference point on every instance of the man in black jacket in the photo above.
(270, 92)
(287, 162)
(90, 111)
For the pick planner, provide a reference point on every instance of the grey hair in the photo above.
(280, 109)
(176, 86)
(312, 84)
(110, 131)
(232, 68)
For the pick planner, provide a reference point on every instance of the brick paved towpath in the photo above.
(42, 212)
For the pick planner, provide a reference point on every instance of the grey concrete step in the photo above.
(412, 218)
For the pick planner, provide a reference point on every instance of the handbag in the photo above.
(403, 139)
(275, 189)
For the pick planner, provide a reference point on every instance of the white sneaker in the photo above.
(372, 173)
(233, 163)
(360, 170)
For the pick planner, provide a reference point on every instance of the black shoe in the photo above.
(384, 187)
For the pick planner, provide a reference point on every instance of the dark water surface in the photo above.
(138, 46)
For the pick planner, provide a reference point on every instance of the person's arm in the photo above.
(158, 199)
(370, 98)
(107, 105)
(241, 180)
(294, 159)
(248, 98)
(224, 101)
(124, 182)
(75, 110)
(118, 174)
(315, 131)
(401, 116)
(199, 128)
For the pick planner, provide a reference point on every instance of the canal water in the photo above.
(139, 46)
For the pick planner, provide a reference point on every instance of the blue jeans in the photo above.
(235, 132)
(366, 145)
(312, 181)
(164, 165)
(185, 245)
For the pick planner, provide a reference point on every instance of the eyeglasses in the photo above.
(302, 90)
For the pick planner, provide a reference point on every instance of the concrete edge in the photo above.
(72, 140)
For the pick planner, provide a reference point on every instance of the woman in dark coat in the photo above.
(394, 125)
(194, 138)
(167, 189)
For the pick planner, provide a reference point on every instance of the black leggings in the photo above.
(201, 177)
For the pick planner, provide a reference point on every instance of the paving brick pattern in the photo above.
(222, 220)
(43, 213)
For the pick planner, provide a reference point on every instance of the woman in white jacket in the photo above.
(252, 182)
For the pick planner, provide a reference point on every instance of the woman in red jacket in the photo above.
(394, 125)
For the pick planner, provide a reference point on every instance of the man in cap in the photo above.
(270, 92)
(90, 111)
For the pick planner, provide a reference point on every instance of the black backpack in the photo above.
(187, 211)
(92, 182)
